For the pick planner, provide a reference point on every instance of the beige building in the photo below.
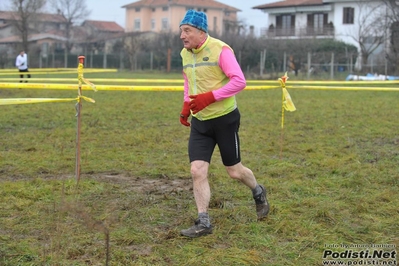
(166, 15)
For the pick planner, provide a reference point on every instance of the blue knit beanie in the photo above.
(196, 19)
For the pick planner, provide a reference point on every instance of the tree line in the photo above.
(376, 29)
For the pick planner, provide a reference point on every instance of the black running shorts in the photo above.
(223, 131)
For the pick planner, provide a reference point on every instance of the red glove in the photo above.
(185, 113)
(200, 101)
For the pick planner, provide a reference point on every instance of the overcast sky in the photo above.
(111, 10)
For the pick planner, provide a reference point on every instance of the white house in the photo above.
(362, 23)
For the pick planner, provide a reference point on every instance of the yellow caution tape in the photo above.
(347, 88)
(87, 99)
(105, 87)
(37, 86)
(287, 101)
(81, 79)
(356, 83)
(173, 88)
(58, 69)
(43, 72)
(42, 100)
(102, 80)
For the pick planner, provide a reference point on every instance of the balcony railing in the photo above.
(325, 32)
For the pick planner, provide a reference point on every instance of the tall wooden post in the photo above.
(78, 115)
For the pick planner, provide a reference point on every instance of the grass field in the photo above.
(336, 183)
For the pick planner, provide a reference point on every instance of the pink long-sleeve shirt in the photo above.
(231, 68)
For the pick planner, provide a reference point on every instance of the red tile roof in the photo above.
(109, 26)
(10, 15)
(189, 3)
(290, 3)
(6, 15)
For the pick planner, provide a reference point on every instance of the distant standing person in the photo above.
(22, 64)
(212, 78)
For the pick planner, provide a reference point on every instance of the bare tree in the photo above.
(164, 47)
(392, 10)
(73, 11)
(371, 33)
(392, 15)
(133, 44)
(25, 11)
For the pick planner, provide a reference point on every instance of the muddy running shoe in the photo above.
(262, 205)
(197, 230)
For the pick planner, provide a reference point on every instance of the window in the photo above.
(285, 25)
(215, 20)
(137, 9)
(45, 48)
(286, 22)
(165, 8)
(152, 24)
(58, 46)
(165, 24)
(137, 24)
(317, 24)
(349, 14)
(153, 9)
(318, 21)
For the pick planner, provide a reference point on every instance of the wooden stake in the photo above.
(78, 115)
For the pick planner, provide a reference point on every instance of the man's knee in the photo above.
(199, 169)
(235, 171)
